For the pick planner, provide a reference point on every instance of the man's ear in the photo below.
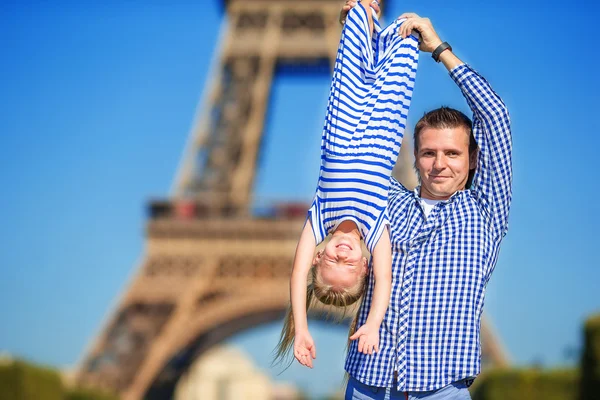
(473, 159)
(317, 258)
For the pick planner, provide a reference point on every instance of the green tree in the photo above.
(23, 381)
(590, 360)
(527, 384)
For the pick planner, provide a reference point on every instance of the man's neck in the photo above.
(424, 194)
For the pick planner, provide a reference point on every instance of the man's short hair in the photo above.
(447, 118)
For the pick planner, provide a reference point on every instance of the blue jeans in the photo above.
(359, 391)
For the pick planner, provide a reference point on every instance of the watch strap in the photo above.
(436, 53)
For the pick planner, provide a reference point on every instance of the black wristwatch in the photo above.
(436, 53)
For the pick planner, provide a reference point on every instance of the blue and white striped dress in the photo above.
(368, 104)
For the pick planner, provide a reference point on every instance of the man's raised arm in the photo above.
(491, 126)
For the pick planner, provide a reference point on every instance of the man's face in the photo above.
(443, 161)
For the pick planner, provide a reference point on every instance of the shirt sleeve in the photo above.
(316, 220)
(373, 236)
(396, 189)
(492, 182)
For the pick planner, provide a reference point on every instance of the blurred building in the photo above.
(226, 373)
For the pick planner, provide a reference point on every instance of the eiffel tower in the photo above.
(210, 268)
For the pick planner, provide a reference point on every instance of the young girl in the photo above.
(366, 116)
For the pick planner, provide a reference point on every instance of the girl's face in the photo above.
(341, 263)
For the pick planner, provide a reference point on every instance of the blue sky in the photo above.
(97, 101)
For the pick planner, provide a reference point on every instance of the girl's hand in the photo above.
(368, 339)
(304, 348)
(429, 38)
(350, 4)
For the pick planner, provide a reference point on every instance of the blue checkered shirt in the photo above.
(430, 335)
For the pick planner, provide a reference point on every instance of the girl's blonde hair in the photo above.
(317, 290)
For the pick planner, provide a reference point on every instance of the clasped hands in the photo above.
(429, 39)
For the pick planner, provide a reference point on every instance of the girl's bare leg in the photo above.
(367, 5)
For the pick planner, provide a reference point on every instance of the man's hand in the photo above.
(304, 348)
(368, 339)
(429, 38)
(350, 4)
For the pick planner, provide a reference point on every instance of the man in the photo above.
(445, 239)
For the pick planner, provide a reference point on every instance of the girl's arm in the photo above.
(368, 334)
(304, 349)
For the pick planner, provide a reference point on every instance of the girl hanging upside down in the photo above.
(369, 99)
